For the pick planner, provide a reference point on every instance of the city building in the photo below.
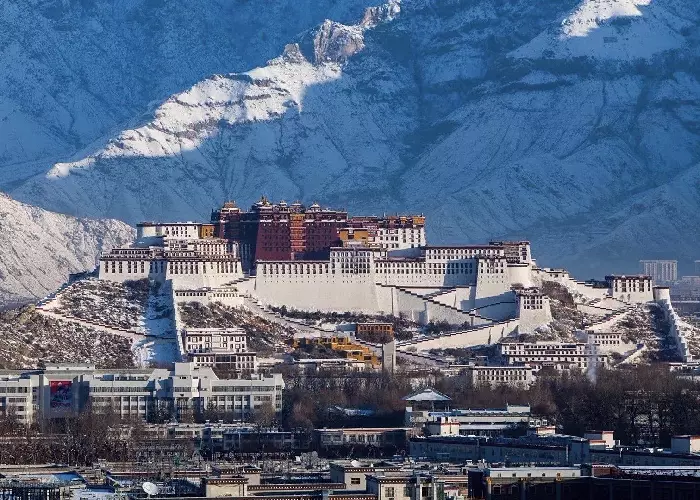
(314, 365)
(661, 271)
(685, 444)
(560, 355)
(512, 375)
(233, 339)
(58, 390)
(495, 483)
(390, 438)
(548, 450)
(474, 422)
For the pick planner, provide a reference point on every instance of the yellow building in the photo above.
(206, 230)
(345, 345)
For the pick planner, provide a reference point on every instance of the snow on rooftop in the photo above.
(426, 395)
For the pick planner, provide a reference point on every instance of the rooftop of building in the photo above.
(426, 394)
(531, 292)
(462, 247)
(152, 223)
(627, 276)
(508, 410)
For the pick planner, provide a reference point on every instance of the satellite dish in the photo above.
(150, 488)
(355, 463)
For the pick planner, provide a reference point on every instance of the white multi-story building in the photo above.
(180, 256)
(18, 397)
(179, 230)
(231, 339)
(561, 355)
(514, 376)
(661, 271)
(220, 348)
(59, 390)
(603, 341)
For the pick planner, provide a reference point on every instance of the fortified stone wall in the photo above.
(678, 329)
(485, 334)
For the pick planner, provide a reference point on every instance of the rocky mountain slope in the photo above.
(29, 338)
(572, 123)
(73, 71)
(39, 249)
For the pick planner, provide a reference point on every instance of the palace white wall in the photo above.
(225, 296)
(461, 297)
(132, 270)
(520, 274)
(531, 319)
(477, 336)
(320, 292)
(184, 275)
(498, 308)
(540, 275)
(632, 290)
(678, 329)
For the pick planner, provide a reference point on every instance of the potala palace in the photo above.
(315, 259)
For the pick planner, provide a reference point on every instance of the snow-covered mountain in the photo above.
(74, 71)
(573, 123)
(39, 249)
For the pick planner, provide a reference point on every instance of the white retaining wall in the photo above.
(319, 293)
(461, 298)
(677, 330)
(464, 338)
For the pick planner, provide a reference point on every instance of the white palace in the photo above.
(467, 285)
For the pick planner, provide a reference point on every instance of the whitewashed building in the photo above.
(631, 288)
(232, 339)
(560, 355)
(514, 376)
(61, 389)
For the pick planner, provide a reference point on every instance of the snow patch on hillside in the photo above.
(612, 29)
(39, 249)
